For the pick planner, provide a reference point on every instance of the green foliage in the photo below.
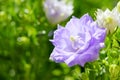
(25, 46)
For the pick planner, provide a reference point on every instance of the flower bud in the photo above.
(114, 71)
(23, 41)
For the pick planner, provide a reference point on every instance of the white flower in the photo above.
(108, 19)
(57, 10)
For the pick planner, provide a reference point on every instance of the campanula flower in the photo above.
(57, 10)
(78, 42)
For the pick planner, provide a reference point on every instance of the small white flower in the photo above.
(108, 19)
(57, 10)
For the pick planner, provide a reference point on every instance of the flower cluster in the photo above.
(81, 39)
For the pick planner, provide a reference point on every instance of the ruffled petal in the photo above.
(59, 55)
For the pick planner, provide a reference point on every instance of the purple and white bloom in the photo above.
(57, 10)
(108, 19)
(78, 42)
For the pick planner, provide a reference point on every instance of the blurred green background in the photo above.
(24, 40)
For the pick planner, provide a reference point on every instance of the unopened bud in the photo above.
(114, 71)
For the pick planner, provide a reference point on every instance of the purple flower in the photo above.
(79, 42)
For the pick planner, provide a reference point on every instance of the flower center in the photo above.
(77, 42)
(109, 20)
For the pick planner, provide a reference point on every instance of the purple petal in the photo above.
(60, 55)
